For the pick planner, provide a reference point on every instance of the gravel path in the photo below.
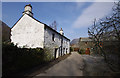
(71, 66)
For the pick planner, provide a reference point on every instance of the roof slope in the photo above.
(74, 41)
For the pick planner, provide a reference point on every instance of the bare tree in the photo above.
(107, 31)
(54, 25)
(95, 32)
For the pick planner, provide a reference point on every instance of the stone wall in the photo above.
(61, 47)
(85, 44)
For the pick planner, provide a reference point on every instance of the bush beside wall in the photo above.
(81, 51)
(16, 59)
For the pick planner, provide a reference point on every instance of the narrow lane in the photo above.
(71, 66)
(79, 65)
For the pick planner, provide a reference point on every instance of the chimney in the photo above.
(61, 32)
(28, 10)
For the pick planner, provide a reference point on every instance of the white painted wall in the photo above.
(32, 34)
(49, 43)
(28, 32)
(66, 46)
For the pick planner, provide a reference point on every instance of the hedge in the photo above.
(16, 59)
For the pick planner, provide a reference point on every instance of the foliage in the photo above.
(18, 59)
(48, 54)
(81, 51)
(71, 49)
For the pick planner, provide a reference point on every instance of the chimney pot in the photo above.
(61, 32)
(28, 10)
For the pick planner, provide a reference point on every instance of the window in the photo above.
(59, 37)
(53, 37)
(66, 50)
(45, 27)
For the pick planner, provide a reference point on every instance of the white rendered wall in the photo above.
(49, 43)
(28, 32)
(66, 46)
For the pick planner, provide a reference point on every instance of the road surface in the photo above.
(79, 65)
(71, 66)
(95, 66)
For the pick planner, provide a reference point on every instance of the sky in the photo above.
(73, 17)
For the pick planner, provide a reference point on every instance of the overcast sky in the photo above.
(73, 17)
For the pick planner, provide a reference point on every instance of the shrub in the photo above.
(18, 59)
(48, 55)
(81, 51)
(71, 49)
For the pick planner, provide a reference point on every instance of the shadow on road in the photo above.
(39, 69)
(95, 66)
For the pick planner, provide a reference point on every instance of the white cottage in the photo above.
(31, 33)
